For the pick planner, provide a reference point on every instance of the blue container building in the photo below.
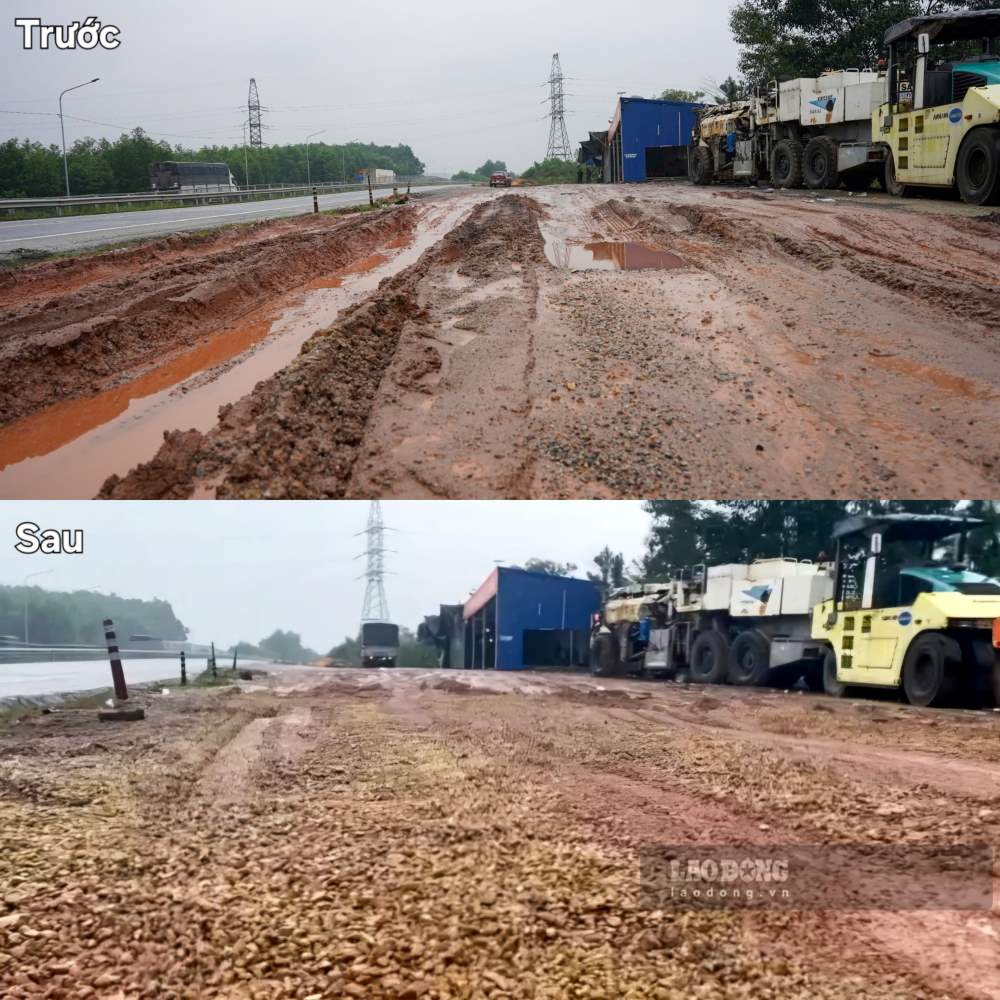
(518, 620)
(648, 139)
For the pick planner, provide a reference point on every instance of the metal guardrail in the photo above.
(256, 193)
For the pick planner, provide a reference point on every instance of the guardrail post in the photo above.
(184, 673)
(371, 199)
(119, 713)
(315, 202)
(117, 673)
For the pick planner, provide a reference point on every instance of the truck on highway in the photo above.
(378, 175)
(897, 607)
(379, 644)
(930, 119)
(500, 179)
(190, 177)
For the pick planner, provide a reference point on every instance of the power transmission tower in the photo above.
(376, 607)
(558, 137)
(253, 116)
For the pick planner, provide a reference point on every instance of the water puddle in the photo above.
(610, 256)
(69, 449)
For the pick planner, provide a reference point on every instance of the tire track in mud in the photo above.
(298, 434)
(109, 324)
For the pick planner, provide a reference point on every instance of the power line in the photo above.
(558, 148)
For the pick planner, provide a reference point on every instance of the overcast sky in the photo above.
(241, 569)
(458, 82)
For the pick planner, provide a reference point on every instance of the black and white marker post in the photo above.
(120, 713)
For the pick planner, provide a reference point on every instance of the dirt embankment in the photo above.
(75, 327)
(298, 434)
(398, 834)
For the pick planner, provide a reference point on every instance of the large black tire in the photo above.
(889, 182)
(786, 164)
(833, 687)
(978, 167)
(604, 655)
(932, 670)
(702, 167)
(750, 659)
(996, 681)
(819, 164)
(709, 658)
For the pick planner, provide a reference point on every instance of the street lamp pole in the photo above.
(30, 576)
(62, 127)
(308, 137)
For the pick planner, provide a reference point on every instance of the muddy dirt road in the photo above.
(466, 835)
(574, 341)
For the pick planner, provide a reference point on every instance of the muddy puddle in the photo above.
(610, 255)
(69, 449)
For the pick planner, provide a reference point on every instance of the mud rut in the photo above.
(802, 350)
(454, 836)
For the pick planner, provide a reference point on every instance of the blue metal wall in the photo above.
(652, 123)
(538, 601)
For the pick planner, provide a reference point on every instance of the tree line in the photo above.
(693, 533)
(787, 39)
(101, 166)
(76, 617)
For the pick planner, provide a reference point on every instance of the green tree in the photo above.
(76, 617)
(612, 571)
(286, 647)
(551, 172)
(548, 566)
(690, 533)
(785, 39)
(675, 94)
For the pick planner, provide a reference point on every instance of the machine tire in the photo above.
(996, 681)
(931, 670)
(750, 659)
(833, 687)
(786, 164)
(819, 164)
(701, 166)
(978, 167)
(603, 658)
(709, 658)
(889, 182)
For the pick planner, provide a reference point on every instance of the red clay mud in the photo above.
(112, 324)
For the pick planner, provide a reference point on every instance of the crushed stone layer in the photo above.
(431, 834)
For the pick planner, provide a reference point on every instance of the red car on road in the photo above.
(499, 179)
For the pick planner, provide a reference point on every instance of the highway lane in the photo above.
(84, 231)
(52, 677)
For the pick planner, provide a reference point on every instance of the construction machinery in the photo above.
(907, 613)
(743, 624)
(897, 607)
(930, 119)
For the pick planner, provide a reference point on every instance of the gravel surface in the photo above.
(455, 835)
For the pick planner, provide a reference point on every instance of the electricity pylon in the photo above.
(558, 136)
